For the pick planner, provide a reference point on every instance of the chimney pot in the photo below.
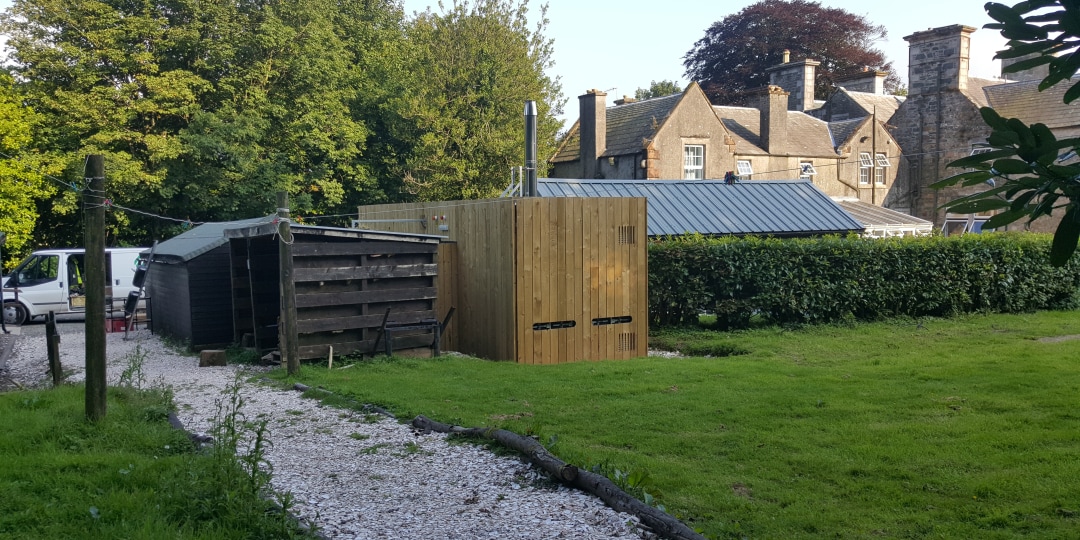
(787, 56)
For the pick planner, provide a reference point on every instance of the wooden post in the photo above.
(94, 215)
(3, 325)
(289, 347)
(52, 345)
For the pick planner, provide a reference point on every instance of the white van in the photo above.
(52, 280)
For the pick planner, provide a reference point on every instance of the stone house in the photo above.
(684, 137)
(939, 122)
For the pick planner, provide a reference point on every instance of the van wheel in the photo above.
(15, 314)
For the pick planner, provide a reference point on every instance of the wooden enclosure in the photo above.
(538, 280)
(345, 280)
(195, 301)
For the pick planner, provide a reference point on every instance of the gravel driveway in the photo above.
(356, 475)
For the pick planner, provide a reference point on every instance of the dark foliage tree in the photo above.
(658, 89)
(732, 57)
(1030, 171)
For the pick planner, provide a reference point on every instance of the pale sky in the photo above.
(621, 45)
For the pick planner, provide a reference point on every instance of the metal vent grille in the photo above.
(627, 234)
(628, 341)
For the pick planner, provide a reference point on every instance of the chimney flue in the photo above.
(529, 187)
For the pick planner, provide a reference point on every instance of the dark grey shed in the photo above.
(781, 208)
(190, 288)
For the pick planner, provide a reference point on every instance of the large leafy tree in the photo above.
(1031, 173)
(23, 179)
(458, 114)
(202, 109)
(732, 57)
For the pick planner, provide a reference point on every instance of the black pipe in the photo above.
(529, 187)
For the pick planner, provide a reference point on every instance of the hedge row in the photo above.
(835, 279)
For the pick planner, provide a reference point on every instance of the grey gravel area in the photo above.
(356, 475)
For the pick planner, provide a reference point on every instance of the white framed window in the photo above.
(806, 170)
(879, 175)
(694, 162)
(882, 160)
(864, 167)
(976, 150)
(744, 168)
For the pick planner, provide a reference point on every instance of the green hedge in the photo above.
(832, 279)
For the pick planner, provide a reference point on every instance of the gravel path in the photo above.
(356, 475)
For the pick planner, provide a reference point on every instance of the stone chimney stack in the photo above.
(797, 78)
(867, 80)
(592, 130)
(938, 59)
(774, 120)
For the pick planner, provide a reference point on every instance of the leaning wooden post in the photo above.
(287, 333)
(52, 346)
(94, 213)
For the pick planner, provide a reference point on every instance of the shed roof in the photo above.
(201, 239)
(880, 221)
(270, 228)
(712, 207)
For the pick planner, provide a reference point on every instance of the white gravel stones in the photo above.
(358, 475)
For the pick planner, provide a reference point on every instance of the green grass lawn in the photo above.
(129, 475)
(959, 428)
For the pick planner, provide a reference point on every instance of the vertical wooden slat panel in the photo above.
(564, 305)
(641, 278)
(573, 288)
(538, 279)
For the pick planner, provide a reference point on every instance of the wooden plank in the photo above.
(540, 283)
(310, 326)
(573, 275)
(560, 291)
(363, 297)
(518, 284)
(309, 352)
(366, 272)
(325, 249)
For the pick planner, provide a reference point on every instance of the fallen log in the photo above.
(659, 522)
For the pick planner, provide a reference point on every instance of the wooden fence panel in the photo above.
(526, 267)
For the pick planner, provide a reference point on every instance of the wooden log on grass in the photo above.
(659, 522)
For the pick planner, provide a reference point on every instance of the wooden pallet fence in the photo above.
(345, 280)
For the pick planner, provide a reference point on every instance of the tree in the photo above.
(202, 109)
(457, 116)
(1031, 173)
(732, 57)
(22, 182)
(658, 89)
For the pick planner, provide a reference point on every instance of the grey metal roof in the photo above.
(712, 207)
(877, 217)
(201, 239)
